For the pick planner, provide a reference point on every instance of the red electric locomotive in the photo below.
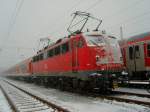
(136, 54)
(88, 60)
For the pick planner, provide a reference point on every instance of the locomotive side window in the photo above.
(137, 52)
(50, 53)
(148, 49)
(57, 50)
(80, 43)
(131, 53)
(36, 58)
(33, 59)
(65, 47)
(41, 56)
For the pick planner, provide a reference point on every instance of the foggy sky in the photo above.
(24, 22)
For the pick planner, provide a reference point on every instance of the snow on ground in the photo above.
(78, 103)
(4, 106)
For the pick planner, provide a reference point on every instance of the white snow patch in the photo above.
(4, 106)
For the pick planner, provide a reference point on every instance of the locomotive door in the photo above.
(74, 55)
(135, 58)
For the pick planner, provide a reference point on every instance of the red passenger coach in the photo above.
(21, 68)
(136, 53)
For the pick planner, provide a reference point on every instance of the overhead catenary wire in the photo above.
(124, 9)
(14, 16)
(63, 15)
(93, 5)
(130, 20)
(120, 11)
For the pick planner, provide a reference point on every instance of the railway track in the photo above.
(130, 93)
(117, 96)
(24, 101)
(136, 98)
(127, 100)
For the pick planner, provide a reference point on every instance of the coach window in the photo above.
(65, 47)
(137, 52)
(57, 50)
(51, 53)
(148, 49)
(131, 53)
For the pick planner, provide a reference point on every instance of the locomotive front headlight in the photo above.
(97, 57)
(124, 73)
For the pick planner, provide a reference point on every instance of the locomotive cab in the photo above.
(105, 51)
(99, 56)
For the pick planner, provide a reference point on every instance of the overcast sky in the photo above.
(24, 22)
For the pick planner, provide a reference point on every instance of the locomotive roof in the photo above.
(139, 36)
(98, 33)
(65, 39)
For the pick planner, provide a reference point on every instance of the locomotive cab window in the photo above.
(131, 53)
(65, 47)
(148, 50)
(94, 40)
(137, 52)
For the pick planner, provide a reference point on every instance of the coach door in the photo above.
(74, 55)
(135, 57)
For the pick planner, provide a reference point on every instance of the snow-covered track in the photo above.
(128, 98)
(131, 93)
(24, 101)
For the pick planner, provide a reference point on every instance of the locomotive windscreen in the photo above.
(109, 43)
(94, 40)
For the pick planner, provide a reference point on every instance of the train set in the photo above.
(89, 60)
